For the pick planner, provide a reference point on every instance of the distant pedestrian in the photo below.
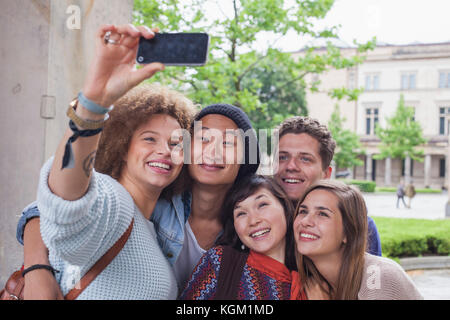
(401, 194)
(410, 192)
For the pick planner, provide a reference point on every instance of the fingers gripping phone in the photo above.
(174, 49)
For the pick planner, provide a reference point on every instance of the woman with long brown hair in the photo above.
(330, 230)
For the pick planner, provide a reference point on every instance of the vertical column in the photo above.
(369, 167)
(407, 170)
(427, 170)
(387, 171)
(333, 169)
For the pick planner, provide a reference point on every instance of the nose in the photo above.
(292, 165)
(306, 220)
(163, 149)
(253, 219)
(214, 151)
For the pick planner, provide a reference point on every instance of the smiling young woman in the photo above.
(257, 220)
(330, 231)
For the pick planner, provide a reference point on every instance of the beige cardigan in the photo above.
(385, 279)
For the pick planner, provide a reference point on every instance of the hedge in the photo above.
(363, 185)
(420, 190)
(413, 237)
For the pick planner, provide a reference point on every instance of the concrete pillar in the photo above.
(407, 170)
(333, 169)
(46, 49)
(369, 167)
(427, 170)
(387, 172)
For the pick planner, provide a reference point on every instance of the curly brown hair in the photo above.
(130, 112)
(316, 130)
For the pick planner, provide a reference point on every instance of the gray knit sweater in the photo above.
(79, 232)
(385, 279)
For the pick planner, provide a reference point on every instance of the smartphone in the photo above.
(174, 49)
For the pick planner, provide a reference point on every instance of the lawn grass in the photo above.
(413, 237)
(419, 190)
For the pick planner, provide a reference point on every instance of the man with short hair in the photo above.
(305, 151)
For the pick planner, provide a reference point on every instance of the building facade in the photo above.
(421, 72)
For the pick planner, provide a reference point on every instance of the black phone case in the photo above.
(182, 49)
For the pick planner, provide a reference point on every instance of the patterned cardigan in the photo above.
(263, 278)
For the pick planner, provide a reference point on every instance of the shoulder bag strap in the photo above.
(100, 265)
(231, 268)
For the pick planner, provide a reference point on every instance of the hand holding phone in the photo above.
(174, 49)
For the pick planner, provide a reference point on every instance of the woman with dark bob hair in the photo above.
(330, 231)
(254, 257)
(84, 212)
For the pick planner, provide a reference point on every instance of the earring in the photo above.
(242, 247)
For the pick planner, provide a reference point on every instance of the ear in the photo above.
(327, 173)
(344, 241)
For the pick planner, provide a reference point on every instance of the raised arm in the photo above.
(111, 74)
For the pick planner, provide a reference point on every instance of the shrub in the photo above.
(413, 237)
(363, 185)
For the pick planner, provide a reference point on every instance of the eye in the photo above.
(305, 159)
(283, 157)
(263, 204)
(150, 139)
(205, 139)
(228, 143)
(303, 211)
(323, 214)
(240, 213)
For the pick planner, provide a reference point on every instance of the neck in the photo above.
(207, 200)
(145, 197)
(329, 267)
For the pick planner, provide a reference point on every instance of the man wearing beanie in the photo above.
(188, 224)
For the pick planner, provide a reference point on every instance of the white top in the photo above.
(188, 258)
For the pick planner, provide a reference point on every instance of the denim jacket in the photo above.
(169, 218)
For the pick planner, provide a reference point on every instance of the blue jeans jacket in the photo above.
(169, 218)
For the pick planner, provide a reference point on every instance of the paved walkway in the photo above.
(432, 284)
(423, 206)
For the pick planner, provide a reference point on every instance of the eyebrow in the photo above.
(258, 197)
(317, 208)
(148, 131)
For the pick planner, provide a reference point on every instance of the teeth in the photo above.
(292, 180)
(259, 233)
(159, 165)
(307, 235)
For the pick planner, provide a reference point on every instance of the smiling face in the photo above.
(300, 164)
(318, 228)
(216, 151)
(148, 162)
(260, 223)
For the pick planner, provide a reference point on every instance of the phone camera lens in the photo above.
(140, 59)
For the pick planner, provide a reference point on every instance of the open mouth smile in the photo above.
(259, 233)
(160, 166)
(308, 236)
(292, 180)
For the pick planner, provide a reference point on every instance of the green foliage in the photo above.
(413, 237)
(402, 135)
(363, 185)
(394, 189)
(348, 147)
(236, 72)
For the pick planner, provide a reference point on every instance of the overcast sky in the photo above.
(391, 21)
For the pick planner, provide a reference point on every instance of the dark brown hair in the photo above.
(130, 112)
(354, 220)
(316, 130)
(241, 191)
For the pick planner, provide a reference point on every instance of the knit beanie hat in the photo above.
(251, 160)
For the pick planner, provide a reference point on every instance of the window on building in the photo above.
(408, 80)
(442, 167)
(351, 79)
(372, 82)
(411, 169)
(444, 79)
(444, 118)
(371, 120)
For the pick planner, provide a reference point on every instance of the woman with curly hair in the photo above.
(85, 211)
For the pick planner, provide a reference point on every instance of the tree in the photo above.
(348, 147)
(233, 61)
(402, 136)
